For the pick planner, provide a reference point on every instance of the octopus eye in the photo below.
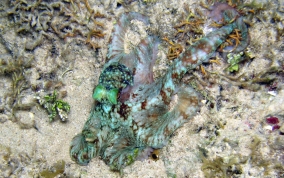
(155, 155)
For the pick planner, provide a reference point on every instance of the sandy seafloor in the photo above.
(230, 138)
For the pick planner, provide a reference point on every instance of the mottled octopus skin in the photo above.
(147, 112)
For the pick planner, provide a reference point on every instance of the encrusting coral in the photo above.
(133, 112)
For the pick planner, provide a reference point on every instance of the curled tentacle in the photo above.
(225, 14)
(141, 58)
(122, 151)
(81, 151)
(156, 121)
(137, 63)
(117, 51)
(245, 39)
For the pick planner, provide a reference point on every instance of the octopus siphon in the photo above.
(132, 112)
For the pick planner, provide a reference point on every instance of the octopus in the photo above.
(132, 112)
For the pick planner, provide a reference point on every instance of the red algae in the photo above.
(275, 127)
(272, 120)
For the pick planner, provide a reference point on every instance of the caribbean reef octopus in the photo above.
(132, 112)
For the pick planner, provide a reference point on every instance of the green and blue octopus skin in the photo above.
(132, 112)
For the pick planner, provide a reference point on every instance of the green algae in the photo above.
(14, 70)
(223, 166)
(56, 169)
(234, 60)
(54, 106)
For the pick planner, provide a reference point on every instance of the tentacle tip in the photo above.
(223, 12)
(81, 151)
